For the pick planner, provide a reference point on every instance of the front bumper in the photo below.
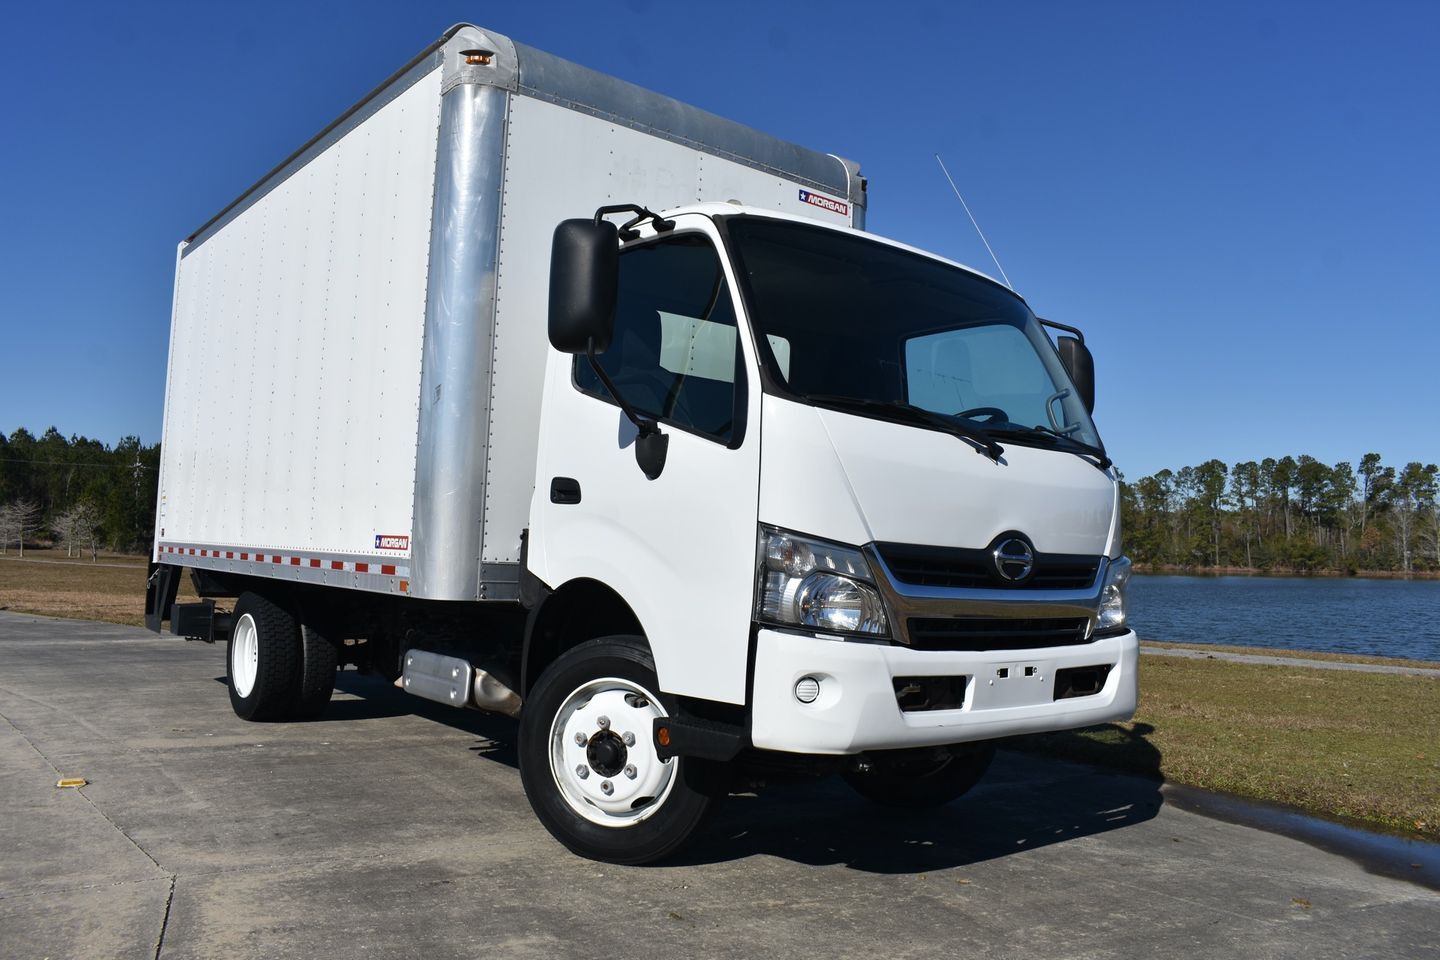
(857, 709)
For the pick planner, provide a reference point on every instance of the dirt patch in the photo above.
(110, 590)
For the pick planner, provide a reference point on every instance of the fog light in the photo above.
(807, 690)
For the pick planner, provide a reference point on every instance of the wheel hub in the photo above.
(606, 753)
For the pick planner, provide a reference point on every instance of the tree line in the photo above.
(77, 493)
(1292, 513)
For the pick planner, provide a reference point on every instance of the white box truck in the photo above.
(540, 393)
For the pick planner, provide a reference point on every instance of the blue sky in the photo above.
(1239, 203)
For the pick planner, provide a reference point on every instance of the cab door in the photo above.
(679, 549)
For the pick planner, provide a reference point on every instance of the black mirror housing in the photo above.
(584, 277)
(1078, 362)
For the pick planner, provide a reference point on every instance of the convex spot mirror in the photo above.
(584, 275)
(1078, 362)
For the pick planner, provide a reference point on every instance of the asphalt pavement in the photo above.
(395, 828)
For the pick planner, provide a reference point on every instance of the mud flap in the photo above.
(160, 589)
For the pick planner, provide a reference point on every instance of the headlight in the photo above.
(811, 583)
(1112, 595)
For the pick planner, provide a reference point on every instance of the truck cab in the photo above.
(880, 521)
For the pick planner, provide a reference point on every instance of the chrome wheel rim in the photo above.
(602, 753)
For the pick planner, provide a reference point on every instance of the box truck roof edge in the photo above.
(535, 73)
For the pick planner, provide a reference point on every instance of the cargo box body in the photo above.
(358, 342)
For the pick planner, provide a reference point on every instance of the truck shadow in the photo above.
(376, 698)
(1026, 801)
(1030, 798)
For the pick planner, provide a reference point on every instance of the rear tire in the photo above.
(588, 761)
(265, 660)
(925, 778)
(318, 658)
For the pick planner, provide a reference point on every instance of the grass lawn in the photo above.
(112, 589)
(1355, 746)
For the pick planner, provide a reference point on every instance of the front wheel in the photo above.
(588, 761)
(921, 779)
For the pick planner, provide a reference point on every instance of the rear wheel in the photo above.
(318, 658)
(588, 760)
(265, 660)
(920, 779)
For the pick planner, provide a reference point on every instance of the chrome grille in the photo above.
(958, 567)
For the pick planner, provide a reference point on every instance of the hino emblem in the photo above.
(1014, 560)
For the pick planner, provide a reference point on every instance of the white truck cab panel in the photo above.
(679, 549)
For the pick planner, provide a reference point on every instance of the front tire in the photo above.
(922, 779)
(588, 761)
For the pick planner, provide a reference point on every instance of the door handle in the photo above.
(564, 490)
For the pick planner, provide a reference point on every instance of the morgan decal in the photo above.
(825, 203)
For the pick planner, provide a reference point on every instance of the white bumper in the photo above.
(857, 709)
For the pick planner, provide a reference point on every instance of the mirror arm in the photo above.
(646, 426)
(628, 231)
(651, 446)
(1063, 326)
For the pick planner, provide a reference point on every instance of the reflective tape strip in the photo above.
(287, 559)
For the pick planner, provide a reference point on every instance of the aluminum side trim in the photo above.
(548, 77)
(455, 378)
(373, 573)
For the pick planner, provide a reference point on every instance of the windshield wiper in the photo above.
(1054, 438)
(982, 442)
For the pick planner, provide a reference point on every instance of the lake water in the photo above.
(1391, 618)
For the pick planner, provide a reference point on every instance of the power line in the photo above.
(77, 463)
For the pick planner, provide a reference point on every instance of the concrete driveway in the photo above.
(391, 829)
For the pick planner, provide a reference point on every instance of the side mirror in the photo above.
(584, 275)
(1078, 362)
(584, 284)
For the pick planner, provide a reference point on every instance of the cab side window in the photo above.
(675, 355)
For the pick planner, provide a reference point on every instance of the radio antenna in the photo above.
(973, 221)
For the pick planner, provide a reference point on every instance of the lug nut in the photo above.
(580, 740)
(629, 739)
(630, 770)
(582, 771)
(607, 788)
(603, 723)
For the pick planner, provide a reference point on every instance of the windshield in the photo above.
(838, 316)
